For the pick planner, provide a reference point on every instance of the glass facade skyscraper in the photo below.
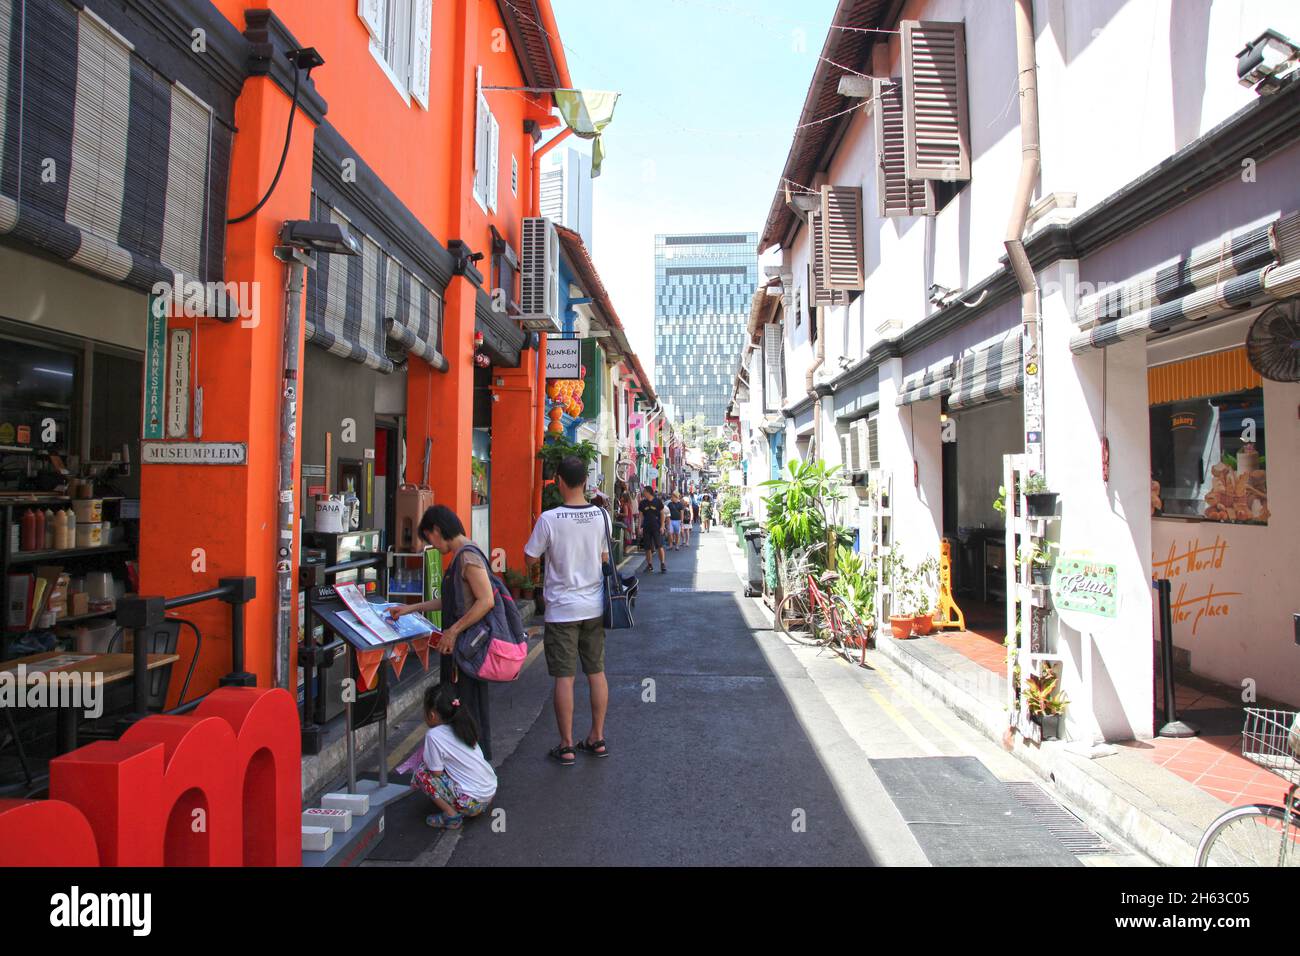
(704, 283)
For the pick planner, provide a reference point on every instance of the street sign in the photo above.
(194, 453)
(563, 358)
(178, 384)
(155, 367)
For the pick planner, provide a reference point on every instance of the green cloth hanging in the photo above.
(587, 113)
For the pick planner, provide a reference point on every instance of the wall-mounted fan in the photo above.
(1273, 343)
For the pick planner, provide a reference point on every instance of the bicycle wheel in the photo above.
(1251, 836)
(795, 618)
(850, 634)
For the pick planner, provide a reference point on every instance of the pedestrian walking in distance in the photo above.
(706, 512)
(688, 520)
(675, 509)
(572, 540)
(653, 518)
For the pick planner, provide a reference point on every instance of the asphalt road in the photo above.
(730, 745)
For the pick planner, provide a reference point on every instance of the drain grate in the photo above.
(1060, 822)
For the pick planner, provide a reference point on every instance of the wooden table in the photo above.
(110, 668)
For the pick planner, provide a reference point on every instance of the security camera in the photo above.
(1263, 63)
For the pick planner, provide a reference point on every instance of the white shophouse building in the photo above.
(1159, 235)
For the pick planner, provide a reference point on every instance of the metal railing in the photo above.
(142, 613)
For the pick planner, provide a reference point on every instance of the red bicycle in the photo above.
(813, 615)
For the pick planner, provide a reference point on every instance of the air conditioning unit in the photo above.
(846, 451)
(539, 276)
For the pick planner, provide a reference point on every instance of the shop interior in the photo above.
(70, 414)
(975, 439)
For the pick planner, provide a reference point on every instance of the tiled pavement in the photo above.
(1211, 761)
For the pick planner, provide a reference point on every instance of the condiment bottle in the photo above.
(38, 537)
(49, 530)
(70, 520)
(28, 535)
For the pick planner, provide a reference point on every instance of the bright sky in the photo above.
(711, 92)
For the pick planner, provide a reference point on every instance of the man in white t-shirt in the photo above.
(572, 540)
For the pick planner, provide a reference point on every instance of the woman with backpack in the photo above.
(467, 598)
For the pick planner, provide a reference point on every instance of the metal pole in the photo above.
(383, 738)
(1173, 727)
(297, 262)
(349, 700)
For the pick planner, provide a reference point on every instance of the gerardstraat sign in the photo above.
(194, 453)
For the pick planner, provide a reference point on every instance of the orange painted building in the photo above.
(393, 137)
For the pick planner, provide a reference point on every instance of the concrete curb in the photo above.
(1088, 784)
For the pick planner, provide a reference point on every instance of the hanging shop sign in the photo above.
(178, 384)
(635, 420)
(563, 358)
(194, 453)
(155, 367)
(1085, 590)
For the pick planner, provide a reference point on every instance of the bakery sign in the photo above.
(194, 453)
(1083, 585)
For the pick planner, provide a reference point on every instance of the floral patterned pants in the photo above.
(441, 786)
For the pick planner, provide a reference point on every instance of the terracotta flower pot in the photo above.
(922, 624)
(901, 626)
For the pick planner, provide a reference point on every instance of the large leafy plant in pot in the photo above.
(552, 453)
(797, 510)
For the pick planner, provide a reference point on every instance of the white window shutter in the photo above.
(480, 133)
(421, 50)
(841, 218)
(773, 341)
(936, 121)
(494, 151)
(372, 14)
(896, 195)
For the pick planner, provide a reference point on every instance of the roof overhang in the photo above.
(823, 122)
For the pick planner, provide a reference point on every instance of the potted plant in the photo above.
(902, 616)
(923, 586)
(1041, 501)
(519, 583)
(1040, 560)
(1046, 702)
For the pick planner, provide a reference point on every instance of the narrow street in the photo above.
(732, 746)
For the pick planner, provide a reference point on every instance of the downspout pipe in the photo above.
(1030, 165)
(818, 361)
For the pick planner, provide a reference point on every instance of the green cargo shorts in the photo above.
(566, 641)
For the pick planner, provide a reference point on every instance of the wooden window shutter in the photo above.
(841, 216)
(819, 293)
(896, 195)
(936, 117)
